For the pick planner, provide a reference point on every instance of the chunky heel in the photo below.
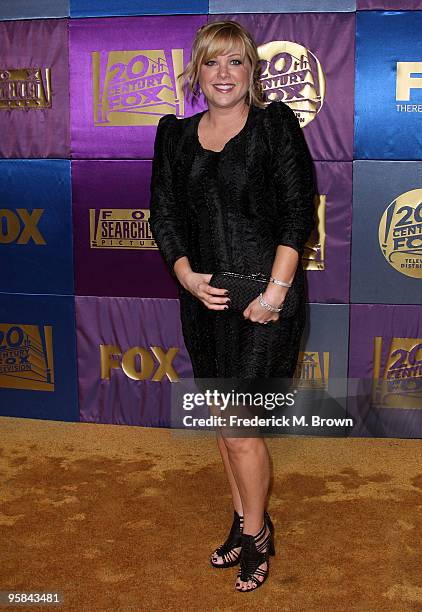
(271, 549)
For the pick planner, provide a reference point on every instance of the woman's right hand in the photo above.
(198, 285)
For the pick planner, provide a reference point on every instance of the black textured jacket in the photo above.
(266, 184)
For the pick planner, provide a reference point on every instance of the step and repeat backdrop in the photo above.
(89, 315)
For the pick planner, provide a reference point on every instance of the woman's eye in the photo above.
(213, 61)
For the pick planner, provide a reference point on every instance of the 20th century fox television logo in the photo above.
(397, 373)
(26, 357)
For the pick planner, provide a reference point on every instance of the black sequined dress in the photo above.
(229, 210)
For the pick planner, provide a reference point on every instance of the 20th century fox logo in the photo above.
(136, 87)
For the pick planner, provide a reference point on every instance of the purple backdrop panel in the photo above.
(281, 6)
(327, 253)
(308, 63)
(34, 100)
(385, 354)
(115, 253)
(123, 79)
(130, 351)
(389, 5)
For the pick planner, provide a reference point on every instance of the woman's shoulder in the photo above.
(168, 122)
(172, 122)
(278, 112)
(172, 132)
(172, 127)
(166, 133)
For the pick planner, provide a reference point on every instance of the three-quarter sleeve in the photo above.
(292, 173)
(166, 219)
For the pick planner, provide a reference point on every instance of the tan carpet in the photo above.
(123, 518)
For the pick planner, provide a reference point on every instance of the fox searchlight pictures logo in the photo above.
(25, 88)
(117, 228)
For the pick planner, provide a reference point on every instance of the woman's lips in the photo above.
(224, 88)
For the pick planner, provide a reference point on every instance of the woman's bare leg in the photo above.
(247, 465)
(250, 464)
(237, 500)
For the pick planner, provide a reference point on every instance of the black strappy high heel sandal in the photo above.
(255, 552)
(271, 550)
(228, 550)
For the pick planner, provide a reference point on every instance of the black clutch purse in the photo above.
(243, 288)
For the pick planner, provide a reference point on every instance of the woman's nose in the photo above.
(223, 71)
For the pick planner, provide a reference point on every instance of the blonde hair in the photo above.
(214, 39)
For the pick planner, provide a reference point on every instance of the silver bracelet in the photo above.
(268, 306)
(279, 282)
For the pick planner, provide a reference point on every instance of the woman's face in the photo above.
(224, 79)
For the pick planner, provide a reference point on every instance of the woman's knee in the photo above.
(241, 446)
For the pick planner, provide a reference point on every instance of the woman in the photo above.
(232, 189)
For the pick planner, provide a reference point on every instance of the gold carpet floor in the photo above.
(121, 518)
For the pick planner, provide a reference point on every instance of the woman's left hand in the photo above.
(256, 313)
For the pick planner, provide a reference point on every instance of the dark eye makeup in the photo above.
(233, 60)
